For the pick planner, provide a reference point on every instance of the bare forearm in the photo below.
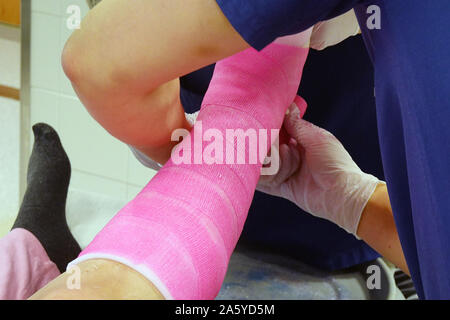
(377, 228)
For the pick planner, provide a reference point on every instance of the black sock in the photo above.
(43, 210)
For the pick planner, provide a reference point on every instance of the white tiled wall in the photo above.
(100, 163)
(9, 162)
(9, 56)
(9, 127)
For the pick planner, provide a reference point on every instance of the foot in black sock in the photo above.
(43, 210)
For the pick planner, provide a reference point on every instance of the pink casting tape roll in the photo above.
(181, 230)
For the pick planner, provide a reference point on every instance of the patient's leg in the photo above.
(180, 231)
(43, 209)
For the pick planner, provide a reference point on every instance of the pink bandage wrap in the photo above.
(181, 230)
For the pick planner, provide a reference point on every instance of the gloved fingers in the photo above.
(323, 152)
(304, 132)
(289, 164)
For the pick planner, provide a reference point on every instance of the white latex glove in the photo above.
(331, 32)
(318, 175)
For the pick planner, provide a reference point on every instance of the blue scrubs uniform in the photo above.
(338, 85)
(411, 57)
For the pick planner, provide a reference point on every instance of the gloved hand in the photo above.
(331, 32)
(318, 175)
